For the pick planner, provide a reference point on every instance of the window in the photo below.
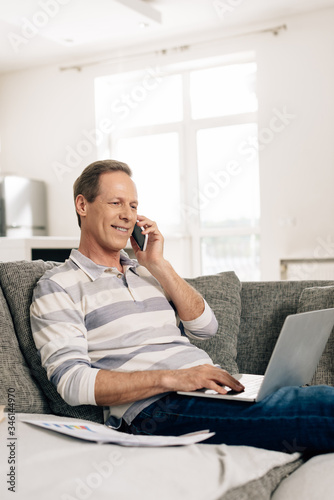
(223, 90)
(152, 169)
(228, 183)
(187, 132)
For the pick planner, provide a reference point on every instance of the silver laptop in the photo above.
(294, 360)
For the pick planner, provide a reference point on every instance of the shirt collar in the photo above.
(94, 270)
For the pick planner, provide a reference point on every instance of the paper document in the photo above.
(103, 434)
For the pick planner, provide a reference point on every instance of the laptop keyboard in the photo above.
(251, 382)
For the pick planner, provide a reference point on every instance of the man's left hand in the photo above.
(154, 250)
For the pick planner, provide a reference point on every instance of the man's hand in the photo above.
(202, 376)
(153, 255)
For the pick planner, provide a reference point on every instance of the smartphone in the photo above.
(141, 239)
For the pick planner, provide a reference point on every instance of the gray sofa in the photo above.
(250, 316)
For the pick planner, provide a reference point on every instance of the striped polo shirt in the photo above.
(86, 317)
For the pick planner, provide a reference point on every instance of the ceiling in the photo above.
(38, 32)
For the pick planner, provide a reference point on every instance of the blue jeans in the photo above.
(291, 419)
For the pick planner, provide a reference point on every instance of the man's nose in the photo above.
(127, 213)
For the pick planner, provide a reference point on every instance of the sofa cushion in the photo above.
(222, 293)
(18, 280)
(312, 299)
(15, 374)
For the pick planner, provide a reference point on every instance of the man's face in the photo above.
(110, 219)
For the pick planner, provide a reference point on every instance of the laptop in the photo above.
(293, 362)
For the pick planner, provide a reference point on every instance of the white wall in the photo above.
(43, 112)
(45, 115)
(296, 71)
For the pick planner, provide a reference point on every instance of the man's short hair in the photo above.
(88, 183)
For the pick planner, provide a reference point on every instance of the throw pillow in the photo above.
(222, 293)
(15, 377)
(312, 299)
(18, 280)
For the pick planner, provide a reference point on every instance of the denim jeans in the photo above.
(291, 419)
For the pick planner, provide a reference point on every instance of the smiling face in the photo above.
(107, 222)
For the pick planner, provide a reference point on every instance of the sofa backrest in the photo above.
(264, 307)
(250, 317)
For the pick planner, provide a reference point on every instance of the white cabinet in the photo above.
(33, 248)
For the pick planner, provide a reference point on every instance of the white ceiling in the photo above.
(37, 32)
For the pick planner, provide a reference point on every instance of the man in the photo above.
(107, 331)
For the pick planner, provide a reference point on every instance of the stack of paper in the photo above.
(103, 434)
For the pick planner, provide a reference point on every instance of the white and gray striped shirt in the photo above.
(86, 317)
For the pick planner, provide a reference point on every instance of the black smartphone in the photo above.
(141, 239)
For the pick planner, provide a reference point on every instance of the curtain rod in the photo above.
(275, 30)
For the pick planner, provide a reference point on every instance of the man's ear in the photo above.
(81, 205)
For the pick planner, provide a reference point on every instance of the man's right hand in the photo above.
(202, 376)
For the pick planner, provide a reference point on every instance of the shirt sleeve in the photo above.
(60, 337)
(203, 327)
